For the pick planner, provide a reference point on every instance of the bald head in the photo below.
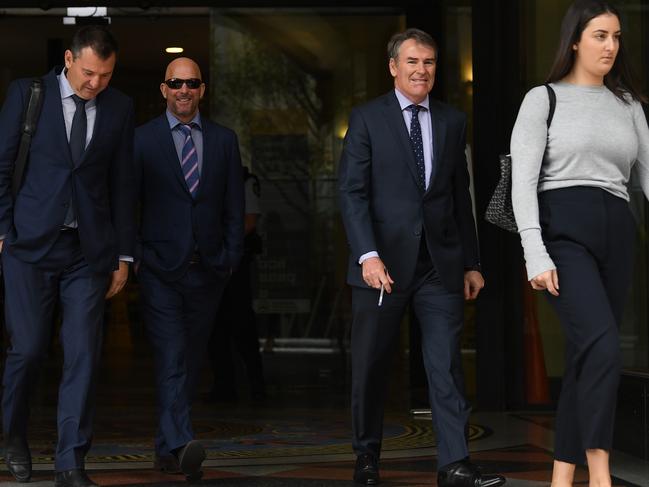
(183, 67)
(186, 90)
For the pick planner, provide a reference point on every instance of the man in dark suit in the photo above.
(405, 203)
(67, 237)
(190, 239)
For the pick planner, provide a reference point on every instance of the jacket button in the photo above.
(417, 233)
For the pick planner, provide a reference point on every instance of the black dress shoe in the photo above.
(466, 474)
(19, 462)
(166, 463)
(190, 460)
(366, 471)
(73, 478)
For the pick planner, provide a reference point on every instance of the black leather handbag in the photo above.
(499, 210)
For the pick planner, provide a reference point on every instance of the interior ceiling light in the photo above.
(174, 50)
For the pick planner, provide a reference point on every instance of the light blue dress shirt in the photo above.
(426, 129)
(69, 107)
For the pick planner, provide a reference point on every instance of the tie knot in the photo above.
(414, 109)
(186, 128)
(78, 100)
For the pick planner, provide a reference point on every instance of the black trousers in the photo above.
(589, 235)
(375, 335)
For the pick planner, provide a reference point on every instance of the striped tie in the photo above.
(189, 162)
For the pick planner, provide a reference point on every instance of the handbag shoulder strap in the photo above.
(553, 102)
(30, 120)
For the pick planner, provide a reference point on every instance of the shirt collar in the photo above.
(66, 89)
(174, 122)
(404, 102)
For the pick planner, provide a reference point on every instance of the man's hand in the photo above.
(547, 280)
(118, 279)
(473, 283)
(375, 274)
(1, 242)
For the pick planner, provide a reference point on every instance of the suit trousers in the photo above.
(375, 336)
(589, 235)
(31, 293)
(178, 316)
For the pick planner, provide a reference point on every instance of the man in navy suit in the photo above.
(190, 238)
(66, 237)
(405, 203)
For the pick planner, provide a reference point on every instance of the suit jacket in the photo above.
(101, 185)
(174, 225)
(385, 209)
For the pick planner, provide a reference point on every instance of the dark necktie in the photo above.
(189, 160)
(417, 144)
(78, 133)
(79, 130)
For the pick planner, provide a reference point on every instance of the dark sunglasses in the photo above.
(177, 83)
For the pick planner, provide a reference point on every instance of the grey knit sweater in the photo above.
(594, 140)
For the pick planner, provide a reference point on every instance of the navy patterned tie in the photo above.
(417, 144)
(189, 162)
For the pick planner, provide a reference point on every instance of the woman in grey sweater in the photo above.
(571, 205)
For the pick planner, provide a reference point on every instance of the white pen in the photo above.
(381, 295)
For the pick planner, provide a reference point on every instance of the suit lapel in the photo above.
(209, 142)
(394, 116)
(166, 141)
(53, 104)
(98, 128)
(438, 125)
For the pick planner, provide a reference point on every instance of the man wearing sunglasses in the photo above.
(188, 172)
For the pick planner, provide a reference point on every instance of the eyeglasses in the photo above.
(177, 83)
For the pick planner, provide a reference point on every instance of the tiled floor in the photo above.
(298, 437)
(298, 451)
(524, 466)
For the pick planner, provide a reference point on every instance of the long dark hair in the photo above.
(620, 78)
